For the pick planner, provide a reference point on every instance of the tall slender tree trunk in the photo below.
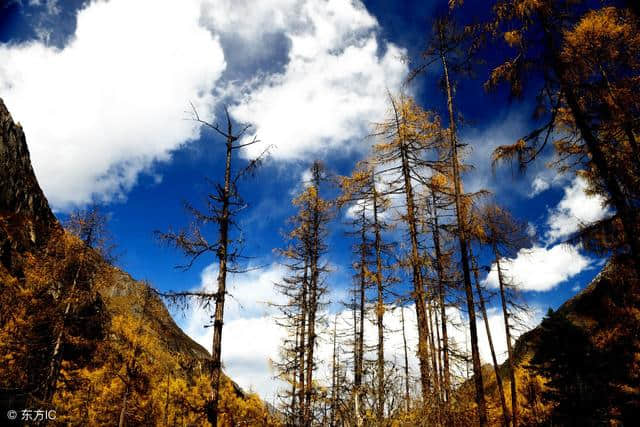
(432, 347)
(441, 299)
(438, 341)
(313, 298)
(483, 308)
(360, 328)
(464, 254)
(434, 363)
(294, 374)
(627, 214)
(418, 286)
(333, 373)
(507, 328)
(216, 352)
(303, 347)
(599, 160)
(406, 362)
(380, 306)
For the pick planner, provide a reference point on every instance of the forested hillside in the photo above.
(80, 336)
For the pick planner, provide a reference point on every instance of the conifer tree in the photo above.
(436, 201)
(92, 249)
(586, 64)
(369, 203)
(454, 49)
(505, 236)
(305, 287)
(407, 137)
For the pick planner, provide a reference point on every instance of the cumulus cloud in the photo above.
(332, 88)
(576, 209)
(102, 109)
(540, 268)
(106, 106)
(248, 19)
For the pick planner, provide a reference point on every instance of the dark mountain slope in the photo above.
(581, 365)
(121, 354)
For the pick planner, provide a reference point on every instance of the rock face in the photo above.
(175, 340)
(20, 194)
(26, 221)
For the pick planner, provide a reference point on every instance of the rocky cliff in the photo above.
(26, 219)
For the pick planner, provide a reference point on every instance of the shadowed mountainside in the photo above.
(581, 365)
(121, 353)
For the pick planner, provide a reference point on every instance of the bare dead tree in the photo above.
(505, 236)
(222, 206)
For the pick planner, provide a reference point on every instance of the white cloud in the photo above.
(576, 209)
(52, 7)
(542, 268)
(539, 268)
(105, 107)
(539, 185)
(248, 19)
(332, 88)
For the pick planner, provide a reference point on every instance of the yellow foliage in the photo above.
(512, 37)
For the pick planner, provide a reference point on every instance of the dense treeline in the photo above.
(73, 341)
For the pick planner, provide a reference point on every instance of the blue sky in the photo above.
(103, 90)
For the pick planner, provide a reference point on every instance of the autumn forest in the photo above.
(434, 324)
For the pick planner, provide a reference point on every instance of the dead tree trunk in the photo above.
(223, 254)
(483, 309)
(462, 238)
(303, 347)
(379, 306)
(359, 348)
(406, 362)
(333, 374)
(441, 300)
(507, 328)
